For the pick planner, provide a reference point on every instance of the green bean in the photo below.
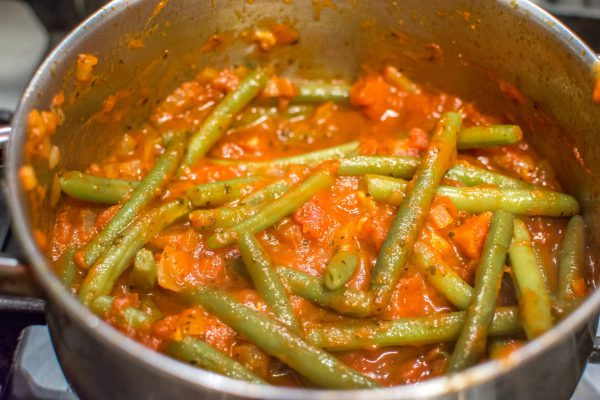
(278, 341)
(94, 188)
(340, 269)
(480, 199)
(274, 211)
(219, 218)
(102, 305)
(416, 331)
(320, 92)
(471, 343)
(216, 193)
(267, 193)
(470, 175)
(571, 261)
(486, 136)
(398, 79)
(345, 301)
(135, 318)
(201, 354)
(442, 276)
(313, 158)
(149, 188)
(534, 299)
(399, 167)
(405, 166)
(144, 270)
(104, 273)
(266, 281)
(67, 266)
(220, 118)
(412, 212)
(500, 348)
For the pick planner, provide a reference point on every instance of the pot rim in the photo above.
(193, 376)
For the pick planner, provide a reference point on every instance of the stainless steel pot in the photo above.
(473, 48)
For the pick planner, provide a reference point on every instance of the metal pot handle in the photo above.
(18, 290)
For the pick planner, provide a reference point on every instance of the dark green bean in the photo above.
(221, 117)
(216, 193)
(534, 299)
(340, 269)
(104, 273)
(411, 214)
(144, 270)
(471, 343)
(417, 331)
(277, 340)
(345, 301)
(149, 188)
(203, 355)
(266, 281)
(571, 279)
(68, 269)
(95, 189)
(320, 92)
(274, 211)
(267, 193)
(220, 218)
(470, 175)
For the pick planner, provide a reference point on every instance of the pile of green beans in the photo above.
(235, 213)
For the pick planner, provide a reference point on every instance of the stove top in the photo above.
(29, 368)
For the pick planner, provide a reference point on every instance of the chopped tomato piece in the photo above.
(470, 236)
(371, 94)
(173, 267)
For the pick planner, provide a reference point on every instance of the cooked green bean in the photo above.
(67, 265)
(104, 273)
(102, 305)
(480, 199)
(216, 193)
(313, 158)
(417, 331)
(275, 339)
(534, 299)
(149, 188)
(486, 136)
(267, 193)
(94, 188)
(571, 261)
(471, 342)
(131, 316)
(399, 167)
(442, 276)
(470, 175)
(203, 355)
(320, 92)
(345, 301)
(144, 270)
(411, 214)
(266, 281)
(340, 269)
(398, 79)
(220, 118)
(223, 217)
(274, 211)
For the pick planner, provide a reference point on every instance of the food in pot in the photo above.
(322, 234)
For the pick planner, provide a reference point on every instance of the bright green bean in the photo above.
(486, 136)
(411, 214)
(267, 193)
(534, 299)
(417, 331)
(345, 301)
(480, 199)
(104, 273)
(220, 118)
(144, 270)
(149, 188)
(131, 316)
(471, 343)
(399, 167)
(340, 269)
(572, 261)
(201, 354)
(94, 188)
(277, 340)
(273, 212)
(223, 217)
(320, 92)
(216, 193)
(102, 305)
(470, 175)
(266, 281)
(442, 276)
(313, 158)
